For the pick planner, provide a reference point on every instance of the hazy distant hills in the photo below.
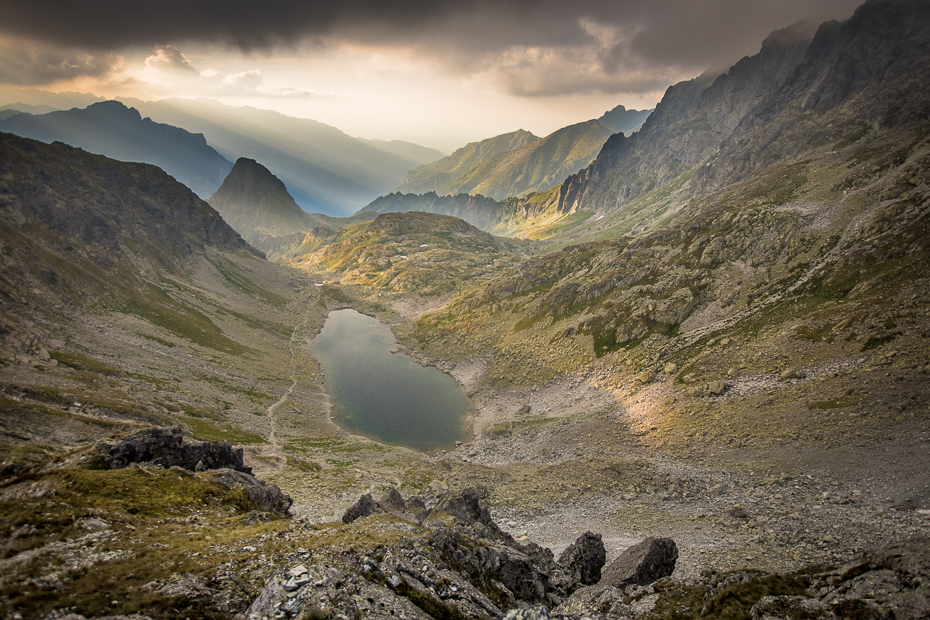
(324, 169)
(408, 150)
(436, 175)
(110, 128)
(518, 163)
(12, 109)
(534, 167)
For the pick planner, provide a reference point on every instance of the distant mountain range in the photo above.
(325, 170)
(519, 163)
(110, 128)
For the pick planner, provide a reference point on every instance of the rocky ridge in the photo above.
(423, 253)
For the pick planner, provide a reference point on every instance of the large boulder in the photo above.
(585, 558)
(165, 446)
(642, 564)
(366, 505)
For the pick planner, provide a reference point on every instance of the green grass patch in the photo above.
(208, 431)
(160, 341)
(81, 362)
(836, 403)
(147, 528)
(239, 281)
(853, 136)
(157, 307)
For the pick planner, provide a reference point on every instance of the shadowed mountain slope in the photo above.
(122, 290)
(621, 120)
(255, 202)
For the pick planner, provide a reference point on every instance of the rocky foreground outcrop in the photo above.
(467, 568)
(453, 561)
(165, 448)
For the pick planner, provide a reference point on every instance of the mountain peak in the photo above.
(255, 202)
(250, 176)
(113, 110)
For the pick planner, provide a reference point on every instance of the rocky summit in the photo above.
(698, 368)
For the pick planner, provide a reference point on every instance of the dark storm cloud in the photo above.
(466, 35)
(24, 64)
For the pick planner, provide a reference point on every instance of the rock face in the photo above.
(585, 558)
(456, 562)
(642, 564)
(365, 506)
(268, 496)
(725, 127)
(166, 447)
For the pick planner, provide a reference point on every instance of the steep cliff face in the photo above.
(112, 129)
(686, 127)
(858, 77)
(798, 91)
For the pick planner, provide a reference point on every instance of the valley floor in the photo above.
(588, 452)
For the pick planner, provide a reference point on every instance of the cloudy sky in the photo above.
(437, 72)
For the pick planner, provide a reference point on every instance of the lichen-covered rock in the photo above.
(165, 446)
(642, 563)
(392, 501)
(584, 602)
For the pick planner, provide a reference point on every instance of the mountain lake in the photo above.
(386, 395)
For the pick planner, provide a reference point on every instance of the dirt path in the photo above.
(274, 449)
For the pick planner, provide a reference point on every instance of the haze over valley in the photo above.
(687, 302)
